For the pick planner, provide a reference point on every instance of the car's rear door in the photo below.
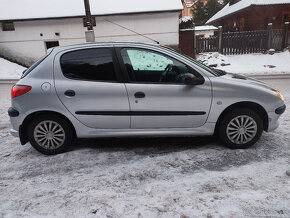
(158, 99)
(89, 84)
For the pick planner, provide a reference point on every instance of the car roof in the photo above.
(89, 44)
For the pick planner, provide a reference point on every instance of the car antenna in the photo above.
(132, 31)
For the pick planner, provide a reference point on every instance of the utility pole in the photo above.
(90, 35)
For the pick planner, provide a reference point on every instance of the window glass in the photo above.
(153, 67)
(8, 26)
(208, 69)
(51, 44)
(145, 60)
(33, 66)
(89, 64)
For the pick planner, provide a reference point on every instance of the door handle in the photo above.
(139, 95)
(70, 93)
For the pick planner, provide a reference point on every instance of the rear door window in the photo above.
(89, 64)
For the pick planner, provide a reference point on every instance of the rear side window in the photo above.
(89, 64)
(33, 66)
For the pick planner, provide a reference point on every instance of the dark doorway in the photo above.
(51, 44)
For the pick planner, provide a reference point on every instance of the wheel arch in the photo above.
(247, 105)
(22, 129)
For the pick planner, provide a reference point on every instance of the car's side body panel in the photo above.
(228, 91)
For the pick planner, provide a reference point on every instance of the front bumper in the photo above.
(273, 118)
(280, 110)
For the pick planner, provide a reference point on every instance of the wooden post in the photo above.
(194, 42)
(285, 35)
(186, 42)
(269, 28)
(90, 36)
(220, 32)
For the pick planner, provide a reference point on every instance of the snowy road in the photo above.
(176, 177)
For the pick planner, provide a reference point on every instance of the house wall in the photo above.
(26, 45)
(255, 18)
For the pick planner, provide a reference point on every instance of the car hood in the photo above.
(244, 79)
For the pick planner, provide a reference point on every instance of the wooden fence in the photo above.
(243, 42)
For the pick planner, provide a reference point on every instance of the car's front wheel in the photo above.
(50, 134)
(241, 128)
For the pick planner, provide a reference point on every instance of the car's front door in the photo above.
(158, 97)
(88, 84)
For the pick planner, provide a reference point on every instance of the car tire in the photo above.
(240, 128)
(50, 134)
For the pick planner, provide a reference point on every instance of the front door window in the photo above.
(146, 66)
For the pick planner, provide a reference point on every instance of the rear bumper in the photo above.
(13, 112)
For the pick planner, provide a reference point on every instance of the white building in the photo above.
(28, 28)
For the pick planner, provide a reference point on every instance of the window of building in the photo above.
(93, 21)
(51, 44)
(8, 26)
(89, 64)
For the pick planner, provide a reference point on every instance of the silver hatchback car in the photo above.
(134, 89)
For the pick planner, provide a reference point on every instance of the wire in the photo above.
(131, 30)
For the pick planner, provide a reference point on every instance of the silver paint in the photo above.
(120, 97)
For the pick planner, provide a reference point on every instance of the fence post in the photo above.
(269, 28)
(194, 42)
(220, 38)
(285, 35)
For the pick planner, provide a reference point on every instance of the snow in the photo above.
(185, 19)
(201, 28)
(205, 27)
(242, 5)
(248, 64)
(9, 70)
(167, 177)
(35, 9)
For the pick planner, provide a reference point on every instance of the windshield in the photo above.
(208, 69)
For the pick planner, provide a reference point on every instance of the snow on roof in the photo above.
(206, 27)
(40, 9)
(227, 10)
(201, 28)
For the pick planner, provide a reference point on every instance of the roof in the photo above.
(206, 27)
(112, 43)
(201, 28)
(40, 9)
(227, 10)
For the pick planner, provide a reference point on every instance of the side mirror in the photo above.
(190, 79)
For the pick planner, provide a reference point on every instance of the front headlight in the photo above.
(278, 94)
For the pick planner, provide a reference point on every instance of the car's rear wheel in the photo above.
(240, 128)
(50, 134)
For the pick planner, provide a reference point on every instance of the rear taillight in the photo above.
(18, 90)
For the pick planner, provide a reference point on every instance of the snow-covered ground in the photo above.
(168, 177)
(248, 64)
(9, 70)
